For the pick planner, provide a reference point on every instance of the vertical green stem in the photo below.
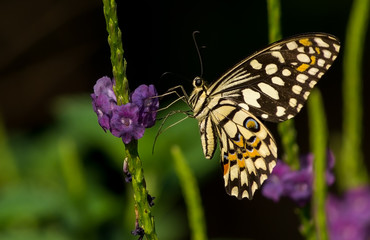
(8, 166)
(115, 42)
(142, 208)
(191, 194)
(274, 11)
(318, 143)
(286, 129)
(351, 162)
(145, 218)
(71, 168)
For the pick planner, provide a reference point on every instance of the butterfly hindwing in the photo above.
(248, 151)
(275, 82)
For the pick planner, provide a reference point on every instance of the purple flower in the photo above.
(144, 98)
(127, 121)
(103, 100)
(274, 187)
(124, 123)
(297, 185)
(349, 216)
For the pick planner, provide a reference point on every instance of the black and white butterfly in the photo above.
(273, 84)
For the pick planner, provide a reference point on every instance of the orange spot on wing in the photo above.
(305, 42)
(252, 154)
(255, 143)
(303, 67)
(313, 60)
(226, 168)
(240, 143)
(317, 50)
(241, 163)
(251, 124)
(232, 157)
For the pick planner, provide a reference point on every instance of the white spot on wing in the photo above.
(302, 78)
(312, 83)
(272, 165)
(271, 68)
(313, 71)
(327, 53)
(300, 106)
(254, 187)
(306, 94)
(297, 89)
(293, 102)
(279, 56)
(251, 97)
(255, 64)
(263, 178)
(292, 45)
(303, 58)
(321, 62)
(300, 49)
(268, 90)
(277, 80)
(280, 111)
(336, 46)
(234, 172)
(245, 194)
(260, 164)
(264, 115)
(250, 166)
(320, 42)
(234, 191)
(286, 72)
(243, 105)
(243, 178)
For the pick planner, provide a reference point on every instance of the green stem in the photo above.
(71, 168)
(115, 42)
(273, 12)
(286, 129)
(191, 194)
(145, 218)
(351, 164)
(9, 169)
(318, 143)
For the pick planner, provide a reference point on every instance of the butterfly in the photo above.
(272, 84)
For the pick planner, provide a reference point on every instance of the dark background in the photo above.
(54, 48)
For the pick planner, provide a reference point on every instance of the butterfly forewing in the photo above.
(272, 84)
(275, 82)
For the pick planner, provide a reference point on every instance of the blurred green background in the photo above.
(61, 175)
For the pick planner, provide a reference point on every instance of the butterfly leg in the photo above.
(172, 103)
(160, 131)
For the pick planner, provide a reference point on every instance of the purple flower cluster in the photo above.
(296, 185)
(126, 121)
(349, 216)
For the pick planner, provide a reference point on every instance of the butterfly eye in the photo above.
(198, 82)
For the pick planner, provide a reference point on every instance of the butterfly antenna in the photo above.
(198, 51)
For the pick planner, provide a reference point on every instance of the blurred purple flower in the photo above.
(274, 187)
(297, 185)
(125, 124)
(103, 101)
(144, 98)
(349, 216)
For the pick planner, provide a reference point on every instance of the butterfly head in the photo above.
(198, 82)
